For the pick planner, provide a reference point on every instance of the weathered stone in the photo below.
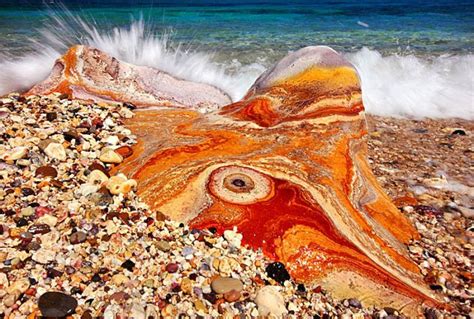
(56, 304)
(270, 302)
(55, 151)
(222, 285)
(110, 156)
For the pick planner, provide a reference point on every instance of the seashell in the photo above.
(119, 184)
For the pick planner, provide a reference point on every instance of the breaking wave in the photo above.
(394, 85)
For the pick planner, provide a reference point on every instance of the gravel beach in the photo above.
(77, 242)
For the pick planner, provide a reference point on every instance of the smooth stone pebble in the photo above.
(56, 304)
(163, 245)
(46, 171)
(45, 143)
(270, 302)
(278, 272)
(55, 151)
(97, 177)
(27, 211)
(354, 303)
(110, 156)
(221, 285)
(172, 267)
(39, 229)
(78, 237)
(15, 154)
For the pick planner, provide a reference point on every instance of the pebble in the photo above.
(46, 171)
(39, 229)
(56, 304)
(97, 177)
(78, 237)
(172, 267)
(222, 285)
(55, 151)
(128, 264)
(119, 184)
(15, 154)
(110, 156)
(270, 302)
(163, 245)
(234, 238)
(278, 272)
(48, 219)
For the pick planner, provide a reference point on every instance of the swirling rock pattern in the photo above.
(287, 166)
(90, 74)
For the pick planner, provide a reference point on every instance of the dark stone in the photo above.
(420, 130)
(193, 276)
(278, 272)
(21, 99)
(33, 246)
(51, 116)
(175, 287)
(27, 191)
(56, 304)
(129, 105)
(172, 267)
(354, 303)
(77, 237)
(63, 96)
(70, 270)
(459, 132)
(301, 288)
(39, 229)
(128, 264)
(390, 310)
(72, 135)
(21, 222)
(211, 297)
(96, 278)
(87, 315)
(53, 273)
(238, 182)
(46, 171)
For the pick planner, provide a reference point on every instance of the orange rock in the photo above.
(287, 165)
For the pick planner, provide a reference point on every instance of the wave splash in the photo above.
(406, 86)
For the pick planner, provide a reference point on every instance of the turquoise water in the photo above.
(415, 58)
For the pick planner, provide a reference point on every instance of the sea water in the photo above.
(415, 58)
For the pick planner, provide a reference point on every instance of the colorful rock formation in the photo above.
(90, 74)
(286, 165)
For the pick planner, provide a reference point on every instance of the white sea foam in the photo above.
(392, 85)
